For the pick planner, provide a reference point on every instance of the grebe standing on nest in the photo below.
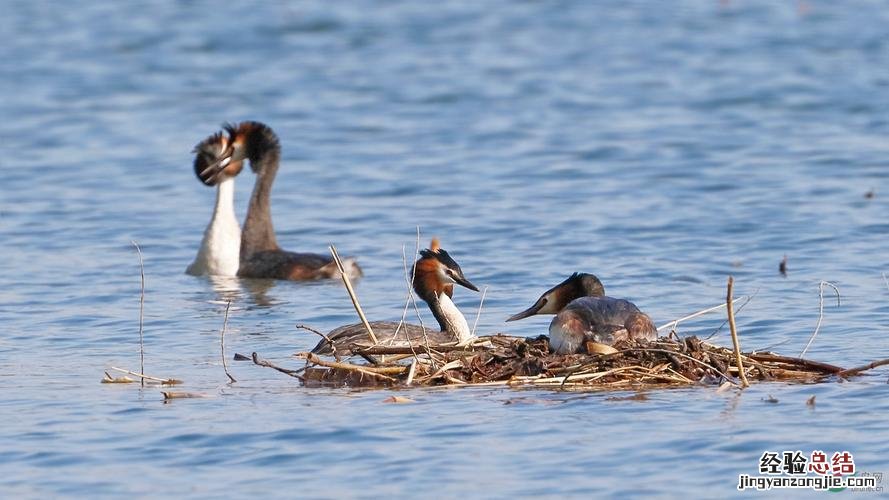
(260, 255)
(220, 248)
(435, 274)
(584, 313)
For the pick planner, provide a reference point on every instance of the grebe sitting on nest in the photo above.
(260, 255)
(435, 274)
(583, 314)
(220, 248)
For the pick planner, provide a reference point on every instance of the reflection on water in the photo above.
(660, 149)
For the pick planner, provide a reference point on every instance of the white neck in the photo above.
(221, 246)
(455, 323)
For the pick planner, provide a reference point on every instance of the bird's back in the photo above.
(284, 265)
(390, 333)
(607, 320)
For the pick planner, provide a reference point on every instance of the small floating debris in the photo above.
(181, 395)
(108, 379)
(398, 400)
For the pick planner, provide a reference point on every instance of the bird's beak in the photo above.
(219, 165)
(460, 280)
(531, 311)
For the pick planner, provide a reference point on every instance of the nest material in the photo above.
(515, 361)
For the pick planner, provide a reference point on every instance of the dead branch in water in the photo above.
(141, 311)
(731, 324)
(855, 371)
(222, 342)
(348, 283)
(820, 312)
(108, 379)
(258, 360)
(168, 395)
(162, 381)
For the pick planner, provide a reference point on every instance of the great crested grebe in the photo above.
(584, 313)
(435, 274)
(220, 248)
(260, 255)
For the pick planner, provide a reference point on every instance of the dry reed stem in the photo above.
(141, 311)
(222, 342)
(164, 381)
(409, 279)
(411, 372)
(731, 324)
(820, 312)
(383, 371)
(348, 283)
(478, 314)
(702, 312)
(410, 293)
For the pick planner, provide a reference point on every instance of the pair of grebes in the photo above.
(583, 312)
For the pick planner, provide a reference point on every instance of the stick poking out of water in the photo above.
(348, 283)
(820, 312)
(141, 312)
(222, 342)
(731, 325)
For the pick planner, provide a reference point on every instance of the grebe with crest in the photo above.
(584, 313)
(260, 255)
(219, 254)
(435, 274)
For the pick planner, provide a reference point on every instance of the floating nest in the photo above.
(502, 360)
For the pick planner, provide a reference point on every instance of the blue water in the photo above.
(660, 146)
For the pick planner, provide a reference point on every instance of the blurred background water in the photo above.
(661, 146)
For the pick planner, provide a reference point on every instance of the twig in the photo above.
(348, 283)
(718, 372)
(737, 310)
(268, 364)
(368, 370)
(478, 315)
(141, 311)
(222, 342)
(409, 278)
(408, 349)
(859, 369)
(166, 381)
(731, 324)
(330, 342)
(702, 312)
(411, 372)
(796, 362)
(820, 312)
